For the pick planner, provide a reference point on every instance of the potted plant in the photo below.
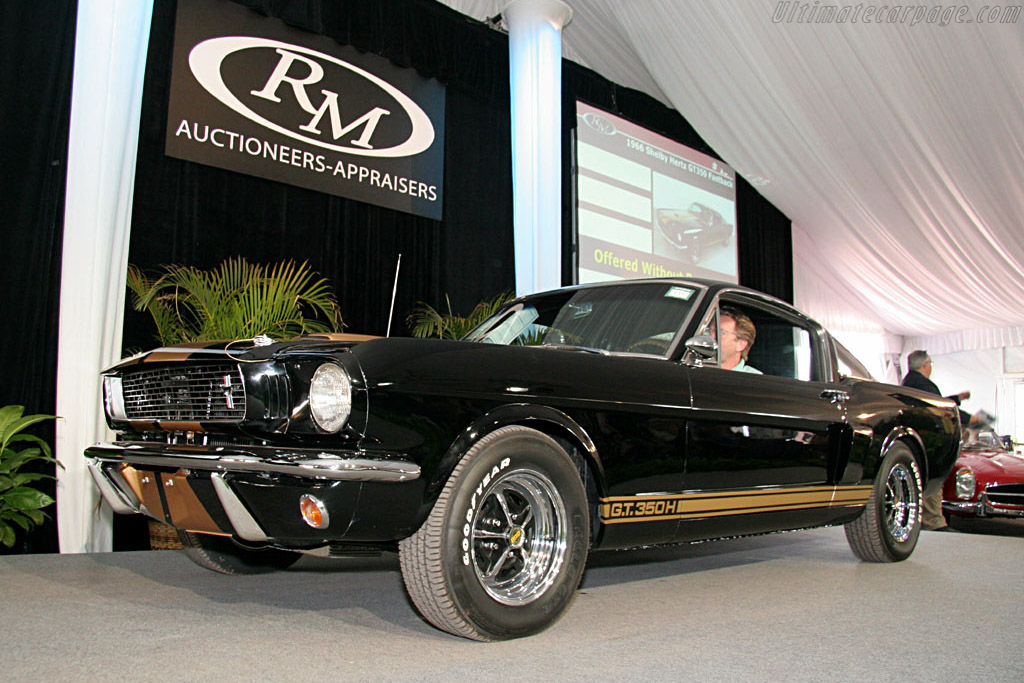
(21, 504)
(425, 321)
(236, 300)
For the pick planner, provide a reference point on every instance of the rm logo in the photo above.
(299, 71)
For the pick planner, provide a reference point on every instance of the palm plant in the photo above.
(425, 321)
(20, 503)
(236, 300)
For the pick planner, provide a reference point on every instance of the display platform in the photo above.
(796, 607)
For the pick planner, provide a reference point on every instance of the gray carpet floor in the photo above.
(788, 607)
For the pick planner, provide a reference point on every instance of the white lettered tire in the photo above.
(503, 550)
(888, 528)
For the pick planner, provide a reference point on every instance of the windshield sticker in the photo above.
(679, 293)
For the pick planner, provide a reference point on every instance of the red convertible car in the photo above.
(987, 480)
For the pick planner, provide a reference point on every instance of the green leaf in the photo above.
(22, 521)
(16, 461)
(12, 422)
(21, 504)
(6, 534)
(236, 300)
(43, 446)
(36, 516)
(8, 416)
(27, 477)
(425, 321)
(25, 498)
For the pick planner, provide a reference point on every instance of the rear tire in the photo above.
(888, 529)
(503, 550)
(222, 554)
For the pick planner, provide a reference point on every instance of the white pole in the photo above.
(535, 66)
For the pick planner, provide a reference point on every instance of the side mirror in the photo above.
(699, 349)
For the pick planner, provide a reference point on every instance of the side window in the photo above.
(849, 366)
(782, 346)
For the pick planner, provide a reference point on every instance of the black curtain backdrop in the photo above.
(190, 214)
(197, 215)
(765, 244)
(35, 79)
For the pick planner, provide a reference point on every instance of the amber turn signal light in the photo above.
(314, 512)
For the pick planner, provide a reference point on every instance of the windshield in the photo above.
(983, 438)
(636, 318)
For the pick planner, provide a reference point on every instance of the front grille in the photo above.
(1007, 494)
(185, 393)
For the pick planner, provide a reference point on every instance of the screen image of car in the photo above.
(691, 230)
(589, 418)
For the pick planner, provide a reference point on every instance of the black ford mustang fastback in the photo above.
(592, 417)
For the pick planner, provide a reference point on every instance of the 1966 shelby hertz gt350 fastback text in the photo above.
(586, 418)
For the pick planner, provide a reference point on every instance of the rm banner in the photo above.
(253, 95)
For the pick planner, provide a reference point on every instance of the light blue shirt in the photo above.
(743, 367)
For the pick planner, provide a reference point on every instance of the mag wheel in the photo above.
(888, 528)
(222, 554)
(503, 550)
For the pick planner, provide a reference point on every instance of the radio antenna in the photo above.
(394, 291)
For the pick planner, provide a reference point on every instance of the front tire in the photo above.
(221, 554)
(503, 550)
(888, 529)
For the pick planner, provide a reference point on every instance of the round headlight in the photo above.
(965, 483)
(330, 397)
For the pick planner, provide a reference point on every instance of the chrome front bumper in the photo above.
(313, 463)
(112, 465)
(981, 508)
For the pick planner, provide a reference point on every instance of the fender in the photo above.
(901, 433)
(508, 414)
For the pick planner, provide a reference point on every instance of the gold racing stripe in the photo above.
(852, 495)
(626, 509)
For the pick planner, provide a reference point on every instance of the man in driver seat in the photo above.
(737, 334)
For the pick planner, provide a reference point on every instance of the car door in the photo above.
(760, 447)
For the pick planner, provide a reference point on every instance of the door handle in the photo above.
(834, 395)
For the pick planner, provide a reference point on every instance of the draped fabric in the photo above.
(109, 59)
(892, 140)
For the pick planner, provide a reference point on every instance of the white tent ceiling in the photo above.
(895, 146)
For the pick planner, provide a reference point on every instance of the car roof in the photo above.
(712, 287)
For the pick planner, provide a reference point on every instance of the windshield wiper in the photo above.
(571, 347)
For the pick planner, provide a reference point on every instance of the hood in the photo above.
(993, 463)
(242, 349)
